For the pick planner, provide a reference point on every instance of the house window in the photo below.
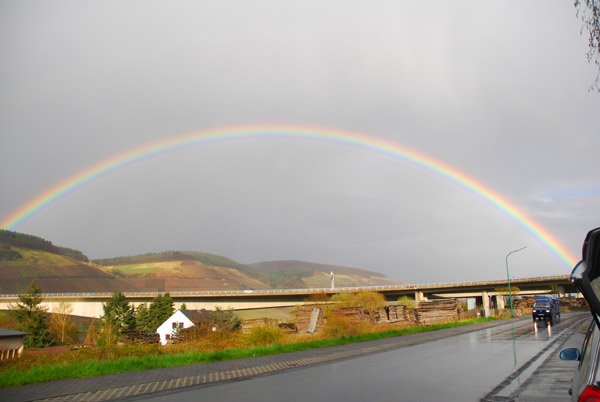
(168, 336)
(174, 325)
(180, 325)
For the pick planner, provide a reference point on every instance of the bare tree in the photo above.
(61, 326)
(589, 13)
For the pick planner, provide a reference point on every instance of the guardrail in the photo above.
(259, 292)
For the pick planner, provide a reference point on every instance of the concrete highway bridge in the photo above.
(90, 304)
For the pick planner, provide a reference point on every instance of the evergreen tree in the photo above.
(225, 320)
(119, 316)
(142, 319)
(161, 308)
(32, 318)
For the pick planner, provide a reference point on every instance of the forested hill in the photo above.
(24, 258)
(14, 239)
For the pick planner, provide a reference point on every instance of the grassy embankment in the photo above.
(87, 362)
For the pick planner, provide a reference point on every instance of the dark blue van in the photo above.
(545, 307)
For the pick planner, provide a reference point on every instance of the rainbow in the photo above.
(94, 172)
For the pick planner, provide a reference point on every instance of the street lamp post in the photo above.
(512, 313)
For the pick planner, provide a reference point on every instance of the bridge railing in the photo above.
(258, 292)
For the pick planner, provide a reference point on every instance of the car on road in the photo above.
(545, 308)
(585, 384)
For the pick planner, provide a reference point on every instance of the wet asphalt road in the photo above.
(507, 362)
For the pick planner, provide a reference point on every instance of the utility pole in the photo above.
(512, 313)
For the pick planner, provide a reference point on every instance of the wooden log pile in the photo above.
(523, 303)
(354, 315)
(411, 315)
(572, 303)
(303, 319)
(140, 338)
(437, 311)
(393, 313)
(383, 315)
(397, 313)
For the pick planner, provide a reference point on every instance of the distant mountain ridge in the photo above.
(59, 269)
(280, 273)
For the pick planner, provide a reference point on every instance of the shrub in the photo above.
(225, 320)
(406, 301)
(317, 298)
(264, 335)
(340, 326)
(369, 301)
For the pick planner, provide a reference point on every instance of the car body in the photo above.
(545, 308)
(585, 384)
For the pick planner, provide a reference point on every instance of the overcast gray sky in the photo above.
(498, 90)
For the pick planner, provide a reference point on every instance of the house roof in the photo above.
(5, 332)
(197, 316)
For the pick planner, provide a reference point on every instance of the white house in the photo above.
(179, 320)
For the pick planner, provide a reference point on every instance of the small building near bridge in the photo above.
(11, 343)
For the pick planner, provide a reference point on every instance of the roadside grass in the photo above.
(88, 362)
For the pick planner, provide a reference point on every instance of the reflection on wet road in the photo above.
(463, 367)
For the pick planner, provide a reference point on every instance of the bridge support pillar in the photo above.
(485, 299)
(560, 290)
(419, 297)
(500, 302)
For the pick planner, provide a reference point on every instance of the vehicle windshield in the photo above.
(542, 304)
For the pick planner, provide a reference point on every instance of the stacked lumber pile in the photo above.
(523, 303)
(397, 313)
(393, 313)
(354, 315)
(572, 303)
(303, 319)
(411, 315)
(436, 311)
(249, 324)
(140, 338)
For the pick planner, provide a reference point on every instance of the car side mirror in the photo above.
(570, 354)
